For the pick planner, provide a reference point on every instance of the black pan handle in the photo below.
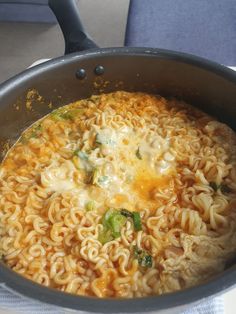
(67, 14)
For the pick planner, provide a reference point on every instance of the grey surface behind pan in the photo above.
(25, 43)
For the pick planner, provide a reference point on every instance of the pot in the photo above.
(86, 70)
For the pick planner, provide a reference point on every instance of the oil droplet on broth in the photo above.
(146, 181)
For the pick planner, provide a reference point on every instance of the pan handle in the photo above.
(67, 14)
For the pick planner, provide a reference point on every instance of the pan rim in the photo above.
(186, 58)
(26, 288)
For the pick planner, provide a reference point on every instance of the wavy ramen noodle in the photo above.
(120, 195)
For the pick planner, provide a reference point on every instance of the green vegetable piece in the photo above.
(80, 154)
(214, 186)
(103, 179)
(105, 236)
(137, 221)
(138, 155)
(117, 221)
(135, 216)
(106, 217)
(72, 113)
(137, 251)
(126, 213)
(90, 206)
(144, 259)
(65, 114)
(112, 222)
(57, 114)
(225, 189)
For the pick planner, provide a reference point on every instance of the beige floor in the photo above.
(23, 43)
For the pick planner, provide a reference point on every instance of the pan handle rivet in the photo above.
(80, 74)
(99, 70)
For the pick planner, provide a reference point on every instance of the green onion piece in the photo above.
(64, 114)
(112, 222)
(103, 179)
(90, 206)
(105, 236)
(72, 113)
(214, 186)
(117, 221)
(135, 216)
(144, 259)
(225, 188)
(126, 213)
(80, 154)
(67, 115)
(137, 221)
(107, 216)
(138, 155)
(58, 114)
(137, 251)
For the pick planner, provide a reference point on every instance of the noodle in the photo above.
(120, 195)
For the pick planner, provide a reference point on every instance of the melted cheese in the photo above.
(124, 177)
(59, 177)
